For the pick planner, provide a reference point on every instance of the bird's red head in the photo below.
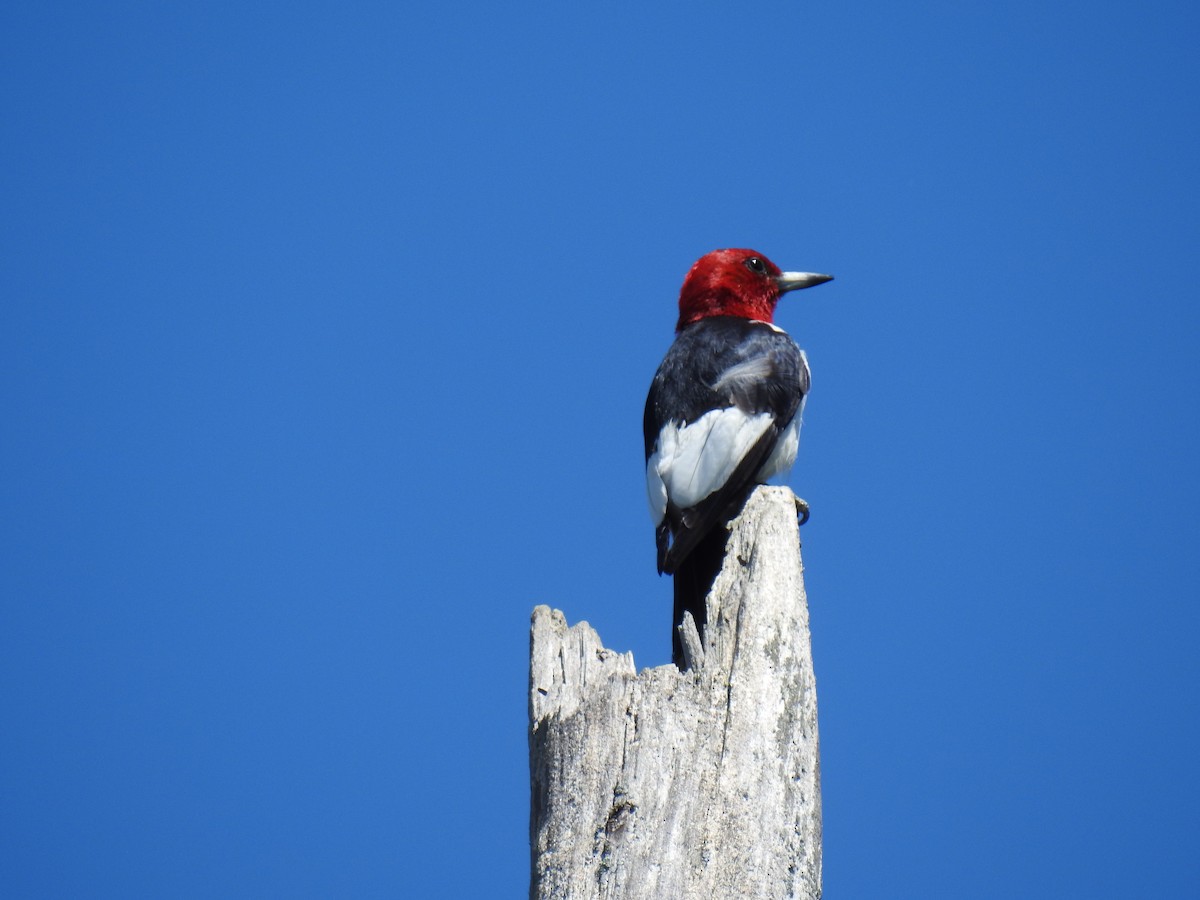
(740, 283)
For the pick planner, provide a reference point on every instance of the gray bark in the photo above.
(698, 784)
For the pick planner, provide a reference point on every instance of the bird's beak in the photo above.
(794, 281)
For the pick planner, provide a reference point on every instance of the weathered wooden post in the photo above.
(699, 784)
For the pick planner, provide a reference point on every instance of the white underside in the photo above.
(691, 462)
(784, 455)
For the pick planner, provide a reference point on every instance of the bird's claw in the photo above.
(802, 510)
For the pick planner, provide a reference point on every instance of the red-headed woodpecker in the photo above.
(723, 415)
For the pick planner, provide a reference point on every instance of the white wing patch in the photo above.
(691, 462)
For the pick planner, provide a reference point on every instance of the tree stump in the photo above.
(698, 784)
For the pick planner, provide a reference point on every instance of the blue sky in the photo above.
(324, 340)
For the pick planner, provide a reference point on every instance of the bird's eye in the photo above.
(754, 264)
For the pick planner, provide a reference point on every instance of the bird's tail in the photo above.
(693, 579)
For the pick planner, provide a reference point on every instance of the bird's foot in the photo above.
(802, 510)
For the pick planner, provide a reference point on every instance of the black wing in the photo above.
(718, 363)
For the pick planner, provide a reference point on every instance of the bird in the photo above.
(722, 416)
